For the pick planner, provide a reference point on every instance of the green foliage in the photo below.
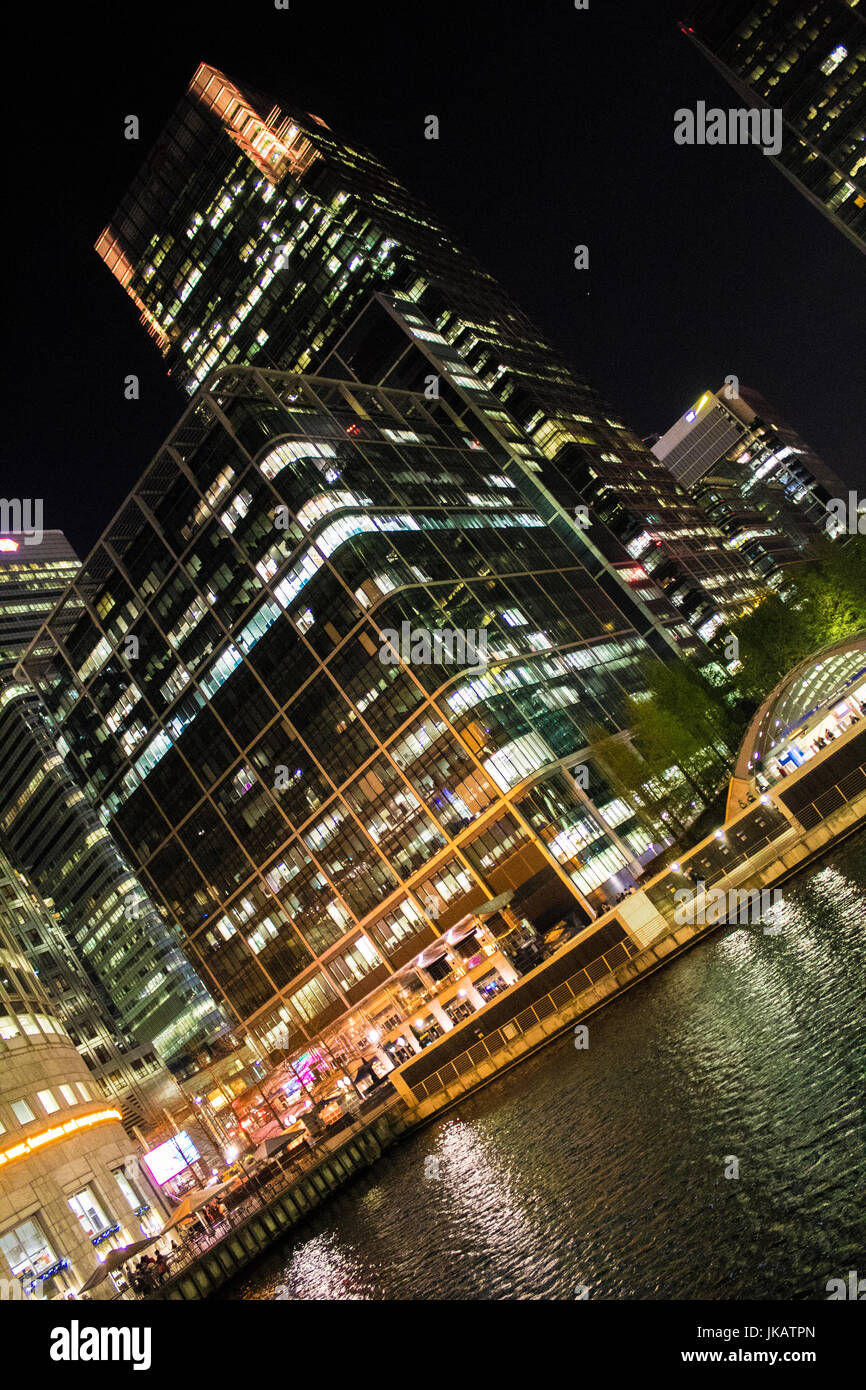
(827, 603)
(685, 725)
(681, 723)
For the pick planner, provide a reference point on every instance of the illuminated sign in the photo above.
(168, 1159)
(7, 544)
(48, 1136)
(692, 414)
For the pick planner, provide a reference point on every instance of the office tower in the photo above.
(764, 486)
(807, 58)
(128, 991)
(67, 1188)
(34, 570)
(255, 235)
(366, 679)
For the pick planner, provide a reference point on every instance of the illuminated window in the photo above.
(830, 64)
(89, 1212)
(127, 1189)
(47, 1101)
(27, 1249)
(22, 1112)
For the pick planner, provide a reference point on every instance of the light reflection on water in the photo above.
(605, 1167)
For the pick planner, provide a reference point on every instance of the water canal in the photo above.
(604, 1168)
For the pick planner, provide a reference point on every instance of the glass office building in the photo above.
(751, 472)
(253, 234)
(125, 990)
(311, 786)
(808, 59)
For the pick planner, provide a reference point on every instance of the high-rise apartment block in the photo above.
(763, 485)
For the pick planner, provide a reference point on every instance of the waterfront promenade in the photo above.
(275, 1206)
(798, 820)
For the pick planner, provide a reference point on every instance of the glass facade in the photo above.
(755, 477)
(308, 794)
(809, 59)
(120, 980)
(254, 234)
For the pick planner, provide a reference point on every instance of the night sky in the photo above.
(556, 128)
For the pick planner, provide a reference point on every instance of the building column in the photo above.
(472, 994)
(440, 1016)
(634, 867)
(505, 968)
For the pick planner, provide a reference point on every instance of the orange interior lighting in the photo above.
(51, 1136)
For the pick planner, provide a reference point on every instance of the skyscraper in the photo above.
(807, 58)
(313, 789)
(314, 815)
(123, 986)
(753, 473)
(255, 235)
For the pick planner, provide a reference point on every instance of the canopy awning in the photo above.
(192, 1202)
(113, 1261)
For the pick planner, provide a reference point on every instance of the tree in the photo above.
(681, 722)
(629, 775)
(826, 603)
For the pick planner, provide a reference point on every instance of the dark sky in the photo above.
(556, 128)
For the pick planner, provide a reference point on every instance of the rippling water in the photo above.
(605, 1168)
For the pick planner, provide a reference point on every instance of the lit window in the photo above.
(47, 1101)
(27, 1250)
(89, 1212)
(830, 64)
(22, 1112)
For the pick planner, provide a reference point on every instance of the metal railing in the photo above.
(196, 1246)
(529, 1017)
(840, 794)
